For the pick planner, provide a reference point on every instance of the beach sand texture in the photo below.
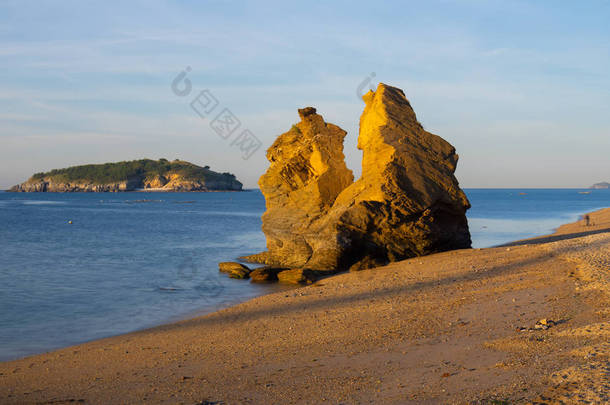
(455, 327)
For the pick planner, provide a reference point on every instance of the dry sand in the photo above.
(447, 328)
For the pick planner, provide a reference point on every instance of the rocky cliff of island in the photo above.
(406, 203)
(601, 185)
(144, 174)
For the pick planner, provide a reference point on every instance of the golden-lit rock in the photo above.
(306, 174)
(234, 269)
(296, 276)
(156, 181)
(265, 274)
(406, 203)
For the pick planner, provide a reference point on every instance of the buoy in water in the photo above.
(70, 222)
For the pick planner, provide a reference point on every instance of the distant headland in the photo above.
(603, 184)
(134, 175)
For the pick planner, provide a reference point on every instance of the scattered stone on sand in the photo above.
(542, 324)
(407, 202)
(297, 276)
(234, 270)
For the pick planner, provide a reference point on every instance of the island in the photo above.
(134, 175)
(603, 184)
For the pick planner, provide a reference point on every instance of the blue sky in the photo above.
(521, 89)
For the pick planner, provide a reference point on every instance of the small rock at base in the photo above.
(297, 276)
(234, 270)
(240, 274)
(228, 267)
(265, 274)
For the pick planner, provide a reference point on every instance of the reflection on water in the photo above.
(126, 262)
(486, 232)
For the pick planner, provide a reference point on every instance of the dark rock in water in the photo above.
(265, 274)
(234, 269)
(240, 274)
(297, 276)
(406, 203)
(227, 267)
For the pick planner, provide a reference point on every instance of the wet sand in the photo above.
(456, 327)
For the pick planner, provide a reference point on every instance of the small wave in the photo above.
(142, 201)
(232, 213)
(43, 202)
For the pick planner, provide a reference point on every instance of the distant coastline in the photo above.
(602, 185)
(137, 175)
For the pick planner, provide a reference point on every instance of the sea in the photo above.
(81, 266)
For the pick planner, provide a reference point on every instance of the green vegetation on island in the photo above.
(177, 175)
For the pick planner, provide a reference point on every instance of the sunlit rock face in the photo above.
(406, 203)
(306, 174)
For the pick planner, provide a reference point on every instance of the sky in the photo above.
(520, 88)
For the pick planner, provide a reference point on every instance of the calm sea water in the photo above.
(133, 260)
(503, 215)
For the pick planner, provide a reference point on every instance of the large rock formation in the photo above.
(407, 202)
(306, 174)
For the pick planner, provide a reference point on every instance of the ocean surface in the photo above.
(134, 260)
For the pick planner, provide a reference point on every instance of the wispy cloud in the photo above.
(489, 76)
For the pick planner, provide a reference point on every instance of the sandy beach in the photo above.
(526, 322)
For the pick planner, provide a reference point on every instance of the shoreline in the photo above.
(127, 191)
(386, 317)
